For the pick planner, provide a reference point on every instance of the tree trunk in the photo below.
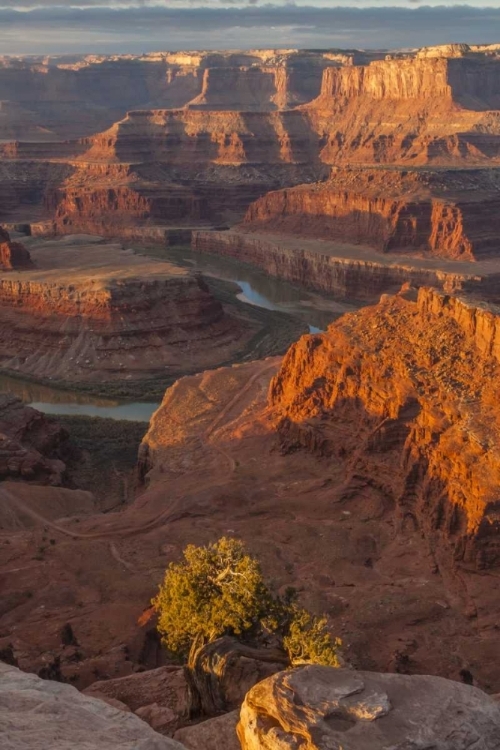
(206, 669)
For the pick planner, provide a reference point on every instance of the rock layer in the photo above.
(322, 708)
(193, 122)
(410, 109)
(94, 313)
(48, 98)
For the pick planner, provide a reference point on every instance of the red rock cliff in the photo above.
(348, 272)
(415, 110)
(451, 215)
(404, 392)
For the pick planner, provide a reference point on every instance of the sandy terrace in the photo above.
(88, 259)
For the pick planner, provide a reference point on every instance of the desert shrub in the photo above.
(67, 636)
(219, 590)
(307, 640)
(214, 590)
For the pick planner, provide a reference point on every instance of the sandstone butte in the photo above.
(361, 469)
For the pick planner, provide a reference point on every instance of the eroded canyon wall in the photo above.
(212, 132)
(414, 109)
(416, 379)
(347, 272)
(48, 99)
(445, 214)
(92, 332)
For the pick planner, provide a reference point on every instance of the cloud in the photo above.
(119, 27)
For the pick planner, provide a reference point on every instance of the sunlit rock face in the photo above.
(327, 708)
(418, 376)
(447, 214)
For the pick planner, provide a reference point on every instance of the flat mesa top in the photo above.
(83, 259)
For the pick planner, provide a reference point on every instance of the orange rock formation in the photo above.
(259, 120)
(417, 379)
(348, 271)
(367, 479)
(12, 254)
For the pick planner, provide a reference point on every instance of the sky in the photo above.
(137, 26)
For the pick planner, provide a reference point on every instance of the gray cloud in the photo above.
(55, 29)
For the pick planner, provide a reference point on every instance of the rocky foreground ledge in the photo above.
(320, 708)
(309, 708)
(39, 714)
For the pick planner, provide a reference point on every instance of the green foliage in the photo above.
(214, 591)
(219, 590)
(307, 640)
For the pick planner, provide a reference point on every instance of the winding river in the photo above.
(256, 289)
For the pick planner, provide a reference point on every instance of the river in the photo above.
(256, 289)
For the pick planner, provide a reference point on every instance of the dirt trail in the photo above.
(237, 398)
(229, 406)
(176, 509)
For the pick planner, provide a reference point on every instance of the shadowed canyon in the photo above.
(291, 259)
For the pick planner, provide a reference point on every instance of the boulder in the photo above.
(162, 688)
(322, 708)
(33, 447)
(39, 714)
(214, 734)
(161, 718)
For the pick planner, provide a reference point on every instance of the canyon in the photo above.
(346, 271)
(359, 463)
(237, 126)
(358, 472)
